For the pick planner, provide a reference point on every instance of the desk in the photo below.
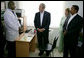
(24, 44)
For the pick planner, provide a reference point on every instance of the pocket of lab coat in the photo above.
(12, 35)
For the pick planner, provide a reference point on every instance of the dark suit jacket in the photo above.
(73, 30)
(45, 22)
(42, 36)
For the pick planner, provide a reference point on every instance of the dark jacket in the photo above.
(42, 36)
(46, 20)
(73, 30)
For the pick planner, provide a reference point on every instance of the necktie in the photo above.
(66, 21)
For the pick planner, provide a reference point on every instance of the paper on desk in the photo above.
(24, 38)
(27, 38)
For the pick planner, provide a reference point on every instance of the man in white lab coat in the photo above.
(12, 28)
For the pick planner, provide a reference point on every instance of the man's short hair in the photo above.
(76, 7)
(43, 5)
(10, 3)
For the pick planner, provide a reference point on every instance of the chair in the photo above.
(50, 47)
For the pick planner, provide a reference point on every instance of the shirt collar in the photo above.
(42, 12)
(10, 10)
(74, 15)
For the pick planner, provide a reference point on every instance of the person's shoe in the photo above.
(41, 53)
(47, 53)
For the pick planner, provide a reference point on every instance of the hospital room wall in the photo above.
(67, 4)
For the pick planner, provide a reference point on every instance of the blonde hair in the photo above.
(67, 9)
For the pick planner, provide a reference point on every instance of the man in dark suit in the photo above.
(71, 32)
(41, 23)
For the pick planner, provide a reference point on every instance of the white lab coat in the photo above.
(11, 24)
